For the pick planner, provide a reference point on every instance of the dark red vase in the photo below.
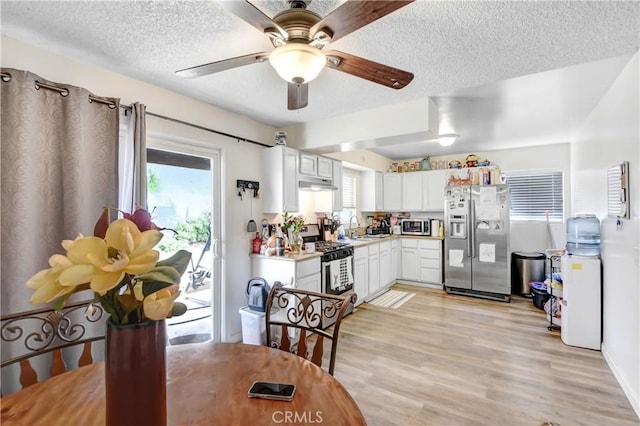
(136, 374)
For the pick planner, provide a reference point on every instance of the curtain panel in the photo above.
(59, 157)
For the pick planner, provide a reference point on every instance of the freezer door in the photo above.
(490, 239)
(457, 263)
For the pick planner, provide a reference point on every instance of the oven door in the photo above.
(337, 275)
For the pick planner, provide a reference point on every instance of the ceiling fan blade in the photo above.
(355, 14)
(225, 64)
(364, 68)
(245, 10)
(297, 96)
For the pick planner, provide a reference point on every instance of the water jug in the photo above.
(583, 235)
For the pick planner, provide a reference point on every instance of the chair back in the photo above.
(315, 316)
(42, 343)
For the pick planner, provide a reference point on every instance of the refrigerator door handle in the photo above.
(472, 229)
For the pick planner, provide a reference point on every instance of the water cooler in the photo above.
(581, 320)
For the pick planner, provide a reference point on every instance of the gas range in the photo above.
(330, 250)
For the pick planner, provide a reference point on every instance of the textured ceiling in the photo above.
(449, 46)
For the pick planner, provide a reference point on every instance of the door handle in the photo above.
(215, 247)
(472, 230)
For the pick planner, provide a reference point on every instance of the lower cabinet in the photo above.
(421, 260)
(386, 279)
(305, 274)
(361, 273)
(374, 268)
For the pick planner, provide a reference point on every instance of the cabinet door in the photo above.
(374, 273)
(310, 282)
(379, 192)
(325, 168)
(337, 182)
(410, 263)
(392, 191)
(361, 278)
(433, 195)
(395, 259)
(290, 181)
(308, 164)
(385, 267)
(412, 191)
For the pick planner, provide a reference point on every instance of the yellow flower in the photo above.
(158, 305)
(46, 282)
(125, 250)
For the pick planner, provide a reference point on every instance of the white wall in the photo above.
(609, 136)
(239, 160)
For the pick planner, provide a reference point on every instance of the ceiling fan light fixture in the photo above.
(297, 63)
(448, 139)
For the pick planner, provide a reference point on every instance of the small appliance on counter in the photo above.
(416, 227)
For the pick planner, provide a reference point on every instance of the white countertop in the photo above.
(357, 242)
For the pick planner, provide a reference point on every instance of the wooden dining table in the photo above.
(207, 384)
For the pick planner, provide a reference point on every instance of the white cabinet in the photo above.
(386, 279)
(325, 168)
(280, 186)
(308, 164)
(412, 191)
(361, 273)
(433, 183)
(305, 274)
(409, 259)
(314, 165)
(430, 261)
(392, 191)
(395, 259)
(371, 189)
(336, 176)
(374, 268)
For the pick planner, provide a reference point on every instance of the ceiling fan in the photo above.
(299, 35)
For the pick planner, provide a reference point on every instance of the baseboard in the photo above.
(633, 399)
(419, 284)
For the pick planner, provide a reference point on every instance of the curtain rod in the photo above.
(6, 77)
(206, 129)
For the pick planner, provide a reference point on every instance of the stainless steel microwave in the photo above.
(416, 227)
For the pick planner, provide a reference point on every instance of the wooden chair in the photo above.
(39, 340)
(310, 313)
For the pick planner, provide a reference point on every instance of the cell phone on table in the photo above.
(270, 390)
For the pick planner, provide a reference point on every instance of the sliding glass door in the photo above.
(182, 187)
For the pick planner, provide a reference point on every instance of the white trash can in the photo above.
(254, 330)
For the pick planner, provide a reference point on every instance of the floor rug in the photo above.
(392, 299)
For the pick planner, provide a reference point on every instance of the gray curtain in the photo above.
(59, 155)
(133, 159)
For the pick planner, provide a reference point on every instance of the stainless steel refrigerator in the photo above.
(477, 241)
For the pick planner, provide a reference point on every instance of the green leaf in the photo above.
(165, 274)
(179, 308)
(151, 287)
(179, 261)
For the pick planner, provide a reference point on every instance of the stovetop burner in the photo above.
(327, 246)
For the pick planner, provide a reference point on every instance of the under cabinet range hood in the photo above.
(311, 183)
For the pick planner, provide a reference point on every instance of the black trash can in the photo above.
(526, 267)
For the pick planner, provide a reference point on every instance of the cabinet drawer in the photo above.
(360, 253)
(430, 244)
(374, 249)
(410, 242)
(430, 254)
(430, 275)
(430, 263)
(307, 267)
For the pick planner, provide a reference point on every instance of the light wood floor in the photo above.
(454, 360)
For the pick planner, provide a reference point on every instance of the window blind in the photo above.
(535, 193)
(348, 191)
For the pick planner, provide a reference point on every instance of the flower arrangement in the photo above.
(119, 264)
(292, 223)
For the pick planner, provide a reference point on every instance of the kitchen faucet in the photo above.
(357, 225)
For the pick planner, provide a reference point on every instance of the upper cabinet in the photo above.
(392, 191)
(412, 191)
(372, 191)
(326, 169)
(280, 187)
(336, 167)
(314, 165)
(433, 184)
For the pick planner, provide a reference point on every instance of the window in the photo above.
(348, 191)
(533, 194)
